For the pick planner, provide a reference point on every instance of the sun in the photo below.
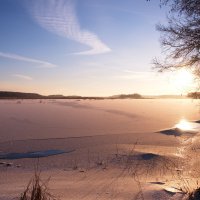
(183, 79)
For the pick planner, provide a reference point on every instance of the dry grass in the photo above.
(37, 190)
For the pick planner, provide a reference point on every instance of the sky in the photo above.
(82, 47)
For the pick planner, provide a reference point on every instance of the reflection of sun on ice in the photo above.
(184, 125)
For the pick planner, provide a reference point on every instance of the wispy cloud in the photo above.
(59, 16)
(24, 77)
(27, 59)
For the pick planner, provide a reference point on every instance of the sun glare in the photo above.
(183, 79)
(184, 125)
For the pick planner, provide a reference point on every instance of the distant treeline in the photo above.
(127, 96)
(19, 95)
(22, 95)
(194, 95)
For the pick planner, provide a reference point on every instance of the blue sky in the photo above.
(81, 47)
